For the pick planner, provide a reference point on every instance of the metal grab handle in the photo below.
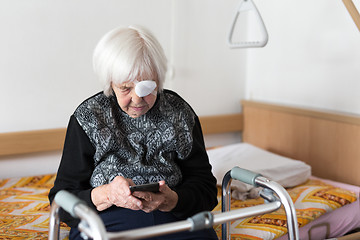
(244, 6)
(258, 180)
(244, 175)
(67, 201)
(168, 228)
(91, 224)
(290, 211)
(201, 221)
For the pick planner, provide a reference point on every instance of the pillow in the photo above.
(285, 171)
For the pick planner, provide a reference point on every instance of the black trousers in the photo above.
(120, 219)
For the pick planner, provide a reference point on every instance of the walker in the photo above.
(91, 225)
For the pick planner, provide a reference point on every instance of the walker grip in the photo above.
(244, 175)
(67, 201)
(201, 221)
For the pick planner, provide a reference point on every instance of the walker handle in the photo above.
(244, 175)
(68, 201)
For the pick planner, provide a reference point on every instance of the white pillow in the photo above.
(285, 171)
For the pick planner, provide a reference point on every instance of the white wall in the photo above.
(45, 61)
(207, 73)
(46, 49)
(312, 58)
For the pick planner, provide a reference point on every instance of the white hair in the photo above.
(127, 53)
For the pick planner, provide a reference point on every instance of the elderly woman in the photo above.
(135, 132)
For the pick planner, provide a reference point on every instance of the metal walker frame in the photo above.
(91, 225)
(269, 188)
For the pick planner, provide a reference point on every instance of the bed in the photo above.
(327, 142)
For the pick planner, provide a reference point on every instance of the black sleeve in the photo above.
(75, 168)
(198, 191)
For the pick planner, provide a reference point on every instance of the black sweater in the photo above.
(164, 144)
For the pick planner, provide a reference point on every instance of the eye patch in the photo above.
(145, 87)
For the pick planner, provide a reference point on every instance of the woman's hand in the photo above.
(115, 193)
(165, 200)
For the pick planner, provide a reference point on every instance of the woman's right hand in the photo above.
(115, 193)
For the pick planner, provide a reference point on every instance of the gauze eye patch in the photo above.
(145, 87)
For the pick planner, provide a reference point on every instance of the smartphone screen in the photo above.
(151, 187)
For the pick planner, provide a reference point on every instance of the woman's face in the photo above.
(129, 102)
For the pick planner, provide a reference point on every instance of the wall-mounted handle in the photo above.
(248, 5)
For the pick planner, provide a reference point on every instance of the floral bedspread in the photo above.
(311, 199)
(24, 209)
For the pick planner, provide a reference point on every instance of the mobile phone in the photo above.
(150, 187)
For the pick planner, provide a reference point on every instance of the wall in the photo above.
(45, 61)
(312, 58)
(46, 49)
(207, 73)
(46, 55)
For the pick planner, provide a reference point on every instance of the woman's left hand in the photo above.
(165, 200)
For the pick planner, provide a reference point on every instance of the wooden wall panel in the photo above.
(329, 142)
(14, 143)
(31, 141)
(222, 123)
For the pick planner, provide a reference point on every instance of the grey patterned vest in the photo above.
(144, 149)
